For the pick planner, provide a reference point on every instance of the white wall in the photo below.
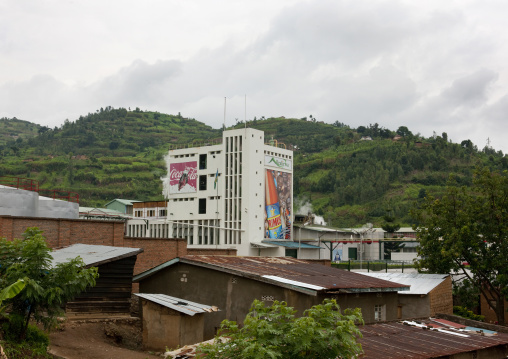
(18, 202)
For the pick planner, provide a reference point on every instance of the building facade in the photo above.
(235, 194)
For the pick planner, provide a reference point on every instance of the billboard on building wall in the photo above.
(183, 177)
(276, 161)
(278, 198)
(338, 253)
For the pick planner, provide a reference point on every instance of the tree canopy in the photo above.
(274, 332)
(47, 287)
(466, 232)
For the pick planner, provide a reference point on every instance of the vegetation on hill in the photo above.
(357, 176)
(13, 131)
(112, 153)
(350, 176)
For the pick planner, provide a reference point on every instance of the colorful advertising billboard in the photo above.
(183, 177)
(278, 205)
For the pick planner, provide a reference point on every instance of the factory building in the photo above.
(237, 193)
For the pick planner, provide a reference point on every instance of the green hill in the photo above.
(13, 131)
(115, 153)
(108, 154)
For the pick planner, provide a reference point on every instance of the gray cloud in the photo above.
(426, 65)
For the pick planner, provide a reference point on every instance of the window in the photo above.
(202, 206)
(202, 162)
(163, 212)
(202, 183)
(379, 312)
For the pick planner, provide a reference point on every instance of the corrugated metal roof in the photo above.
(92, 254)
(294, 245)
(331, 279)
(293, 282)
(420, 283)
(262, 245)
(127, 202)
(178, 304)
(318, 228)
(396, 340)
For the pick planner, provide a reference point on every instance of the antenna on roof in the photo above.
(224, 126)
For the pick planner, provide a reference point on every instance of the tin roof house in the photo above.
(112, 292)
(171, 322)
(232, 284)
(429, 293)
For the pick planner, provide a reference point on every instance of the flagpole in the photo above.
(217, 232)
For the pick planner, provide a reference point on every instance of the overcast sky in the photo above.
(429, 65)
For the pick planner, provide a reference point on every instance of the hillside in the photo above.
(350, 181)
(14, 131)
(115, 153)
(112, 153)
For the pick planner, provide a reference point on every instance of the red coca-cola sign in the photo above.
(183, 177)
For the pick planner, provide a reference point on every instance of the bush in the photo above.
(465, 313)
(274, 332)
(35, 344)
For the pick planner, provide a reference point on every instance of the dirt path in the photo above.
(98, 340)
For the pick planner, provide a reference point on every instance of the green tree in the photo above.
(404, 132)
(47, 287)
(466, 232)
(390, 227)
(274, 332)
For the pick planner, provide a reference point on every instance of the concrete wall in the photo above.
(18, 202)
(54, 208)
(414, 306)
(402, 256)
(233, 295)
(167, 328)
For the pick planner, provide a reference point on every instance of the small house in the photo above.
(232, 284)
(112, 292)
(171, 322)
(429, 293)
(122, 205)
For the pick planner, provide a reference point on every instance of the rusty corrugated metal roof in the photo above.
(397, 341)
(329, 278)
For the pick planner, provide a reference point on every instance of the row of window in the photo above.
(277, 154)
(150, 213)
(202, 158)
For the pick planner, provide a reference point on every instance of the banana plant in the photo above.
(10, 292)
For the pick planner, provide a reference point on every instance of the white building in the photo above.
(219, 195)
(17, 201)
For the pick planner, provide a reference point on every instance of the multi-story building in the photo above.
(237, 193)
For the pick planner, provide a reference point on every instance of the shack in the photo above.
(429, 293)
(171, 322)
(233, 283)
(112, 293)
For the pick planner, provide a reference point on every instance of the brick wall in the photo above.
(64, 232)
(489, 313)
(441, 298)
(211, 252)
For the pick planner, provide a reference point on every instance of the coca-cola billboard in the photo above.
(183, 177)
